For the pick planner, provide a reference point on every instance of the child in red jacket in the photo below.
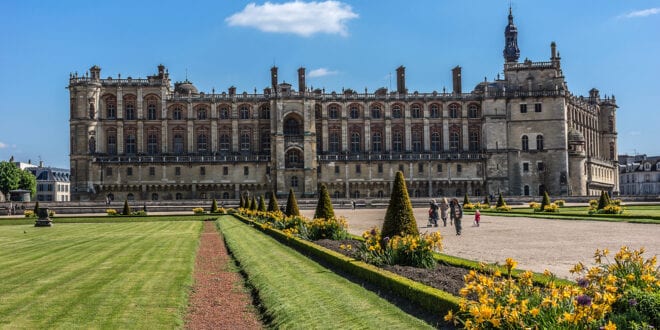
(477, 218)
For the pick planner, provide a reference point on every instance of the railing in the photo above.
(183, 159)
(403, 157)
(529, 64)
(114, 82)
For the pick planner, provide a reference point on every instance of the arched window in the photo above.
(333, 112)
(526, 190)
(355, 142)
(435, 111)
(111, 107)
(202, 142)
(201, 113)
(539, 142)
(416, 111)
(436, 142)
(454, 142)
(396, 111)
(177, 113)
(334, 142)
(525, 143)
(475, 141)
(130, 145)
(152, 143)
(129, 109)
(177, 143)
(154, 197)
(375, 112)
(265, 112)
(245, 142)
(224, 112)
(244, 112)
(130, 197)
(377, 142)
(417, 141)
(92, 145)
(293, 159)
(294, 181)
(292, 127)
(112, 142)
(355, 112)
(151, 111)
(454, 110)
(473, 111)
(225, 143)
(397, 142)
(178, 196)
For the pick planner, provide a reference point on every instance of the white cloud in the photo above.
(301, 18)
(3, 145)
(642, 13)
(320, 72)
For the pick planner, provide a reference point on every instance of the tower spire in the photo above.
(511, 50)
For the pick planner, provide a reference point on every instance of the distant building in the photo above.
(639, 175)
(522, 134)
(53, 184)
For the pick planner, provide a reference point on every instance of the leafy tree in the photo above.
(272, 202)
(466, 199)
(324, 206)
(9, 177)
(399, 218)
(545, 201)
(292, 204)
(214, 206)
(500, 201)
(127, 208)
(262, 204)
(27, 181)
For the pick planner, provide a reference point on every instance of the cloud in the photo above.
(301, 18)
(642, 13)
(320, 72)
(3, 145)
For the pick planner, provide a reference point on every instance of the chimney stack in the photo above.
(273, 77)
(232, 90)
(401, 80)
(301, 80)
(456, 79)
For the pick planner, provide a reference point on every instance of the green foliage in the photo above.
(466, 200)
(602, 201)
(272, 203)
(324, 208)
(399, 218)
(253, 203)
(486, 201)
(500, 201)
(214, 206)
(36, 208)
(198, 210)
(9, 177)
(292, 204)
(545, 201)
(127, 208)
(27, 181)
(409, 250)
(262, 204)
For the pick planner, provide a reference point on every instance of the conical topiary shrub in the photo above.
(500, 201)
(602, 201)
(241, 202)
(127, 209)
(607, 198)
(324, 208)
(253, 203)
(214, 206)
(486, 201)
(399, 218)
(272, 203)
(262, 204)
(292, 204)
(545, 201)
(466, 199)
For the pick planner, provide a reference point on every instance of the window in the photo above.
(474, 141)
(459, 168)
(454, 110)
(376, 142)
(225, 195)
(355, 112)
(375, 112)
(152, 144)
(436, 142)
(202, 143)
(152, 171)
(292, 127)
(178, 143)
(294, 159)
(525, 143)
(112, 143)
(201, 113)
(178, 196)
(523, 108)
(420, 168)
(539, 142)
(435, 111)
(416, 111)
(265, 141)
(380, 194)
(336, 169)
(334, 142)
(265, 112)
(202, 170)
(336, 194)
(224, 113)
(525, 167)
(397, 142)
(245, 142)
(396, 111)
(177, 113)
(154, 197)
(333, 112)
(225, 142)
(454, 141)
(612, 151)
(111, 108)
(151, 111)
(439, 168)
(130, 197)
(177, 171)
(244, 112)
(526, 190)
(92, 145)
(294, 181)
(129, 171)
(246, 170)
(131, 145)
(358, 168)
(540, 166)
(417, 141)
(108, 171)
(610, 124)
(130, 110)
(537, 107)
(380, 168)
(355, 142)
(225, 170)
(473, 111)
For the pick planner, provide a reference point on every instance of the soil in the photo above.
(219, 299)
(444, 277)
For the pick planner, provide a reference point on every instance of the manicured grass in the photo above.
(633, 213)
(296, 292)
(108, 219)
(102, 275)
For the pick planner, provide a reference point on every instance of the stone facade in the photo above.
(640, 175)
(521, 134)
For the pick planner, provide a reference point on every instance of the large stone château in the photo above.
(522, 134)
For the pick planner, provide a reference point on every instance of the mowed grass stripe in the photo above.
(299, 293)
(129, 275)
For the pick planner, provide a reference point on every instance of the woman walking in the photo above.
(444, 210)
(456, 214)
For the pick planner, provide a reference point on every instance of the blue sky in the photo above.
(611, 45)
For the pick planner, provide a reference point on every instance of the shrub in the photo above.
(552, 207)
(500, 201)
(504, 208)
(28, 213)
(214, 206)
(272, 203)
(486, 201)
(127, 208)
(51, 213)
(292, 204)
(253, 203)
(593, 203)
(534, 205)
(602, 201)
(410, 250)
(466, 200)
(111, 211)
(140, 213)
(399, 218)
(198, 210)
(262, 204)
(241, 202)
(324, 208)
(545, 201)
(469, 206)
(616, 202)
(560, 202)
(320, 228)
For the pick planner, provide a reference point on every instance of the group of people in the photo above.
(453, 211)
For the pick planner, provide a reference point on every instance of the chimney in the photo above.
(456, 79)
(301, 80)
(161, 71)
(273, 77)
(95, 72)
(401, 80)
(232, 90)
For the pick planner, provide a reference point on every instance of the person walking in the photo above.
(433, 213)
(456, 214)
(477, 218)
(444, 210)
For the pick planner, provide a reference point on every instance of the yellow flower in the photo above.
(449, 316)
(534, 311)
(609, 326)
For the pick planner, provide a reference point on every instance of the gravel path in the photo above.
(537, 244)
(219, 300)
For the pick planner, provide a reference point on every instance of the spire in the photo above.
(511, 51)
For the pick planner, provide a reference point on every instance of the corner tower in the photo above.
(511, 50)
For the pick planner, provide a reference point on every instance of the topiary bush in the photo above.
(241, 202)
(127, 208)
(545, 201)
(324, 208)
(262, 204)
(500, 201)
(272, 203)
(253, 203)
(214, 206)
(399, 218)
(602, 201)
(466, 200)
(292, 204)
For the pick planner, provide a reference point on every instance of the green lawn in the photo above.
(633, 213)
(298, 293)
(100, 275)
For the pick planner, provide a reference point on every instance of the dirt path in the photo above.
(219, 299)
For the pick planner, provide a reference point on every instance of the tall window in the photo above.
(454, 141)
(245, 142)
(244, 112)
(151, 111)
(454, 110)
(538, 107)
(397, 142)
(202, 142)
(612, 152)
(224, 113)
(526, 190)
(265, 141)
(294, 181)
(417, 141)
(416, 111)
(178, 143)
(523, 108)
(375, 112)
(474, 141)
(436, 142)
(291, 127)
(225, 143)
(539, 142)
(293, 159)
(377, 142)
(265, 112)
(435, 111)
(396, 111)
(355, 142)
(152, 144)
(525, 143)
(112, 142)
(92, 145)
(201, 113)
(130, 145)
(130, 110)
(177, 113)
(473, 111)
(111, 107)
(334, 142)
(355, 112)
(333, 112)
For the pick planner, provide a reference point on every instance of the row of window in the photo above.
(355, 112)
(420, 168)
(177, 112)
(417, 142)
(538, 107)
(49, 187)
(177, 171)
(540, 166)
(525, 143)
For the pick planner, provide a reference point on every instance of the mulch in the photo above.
(219, 299)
